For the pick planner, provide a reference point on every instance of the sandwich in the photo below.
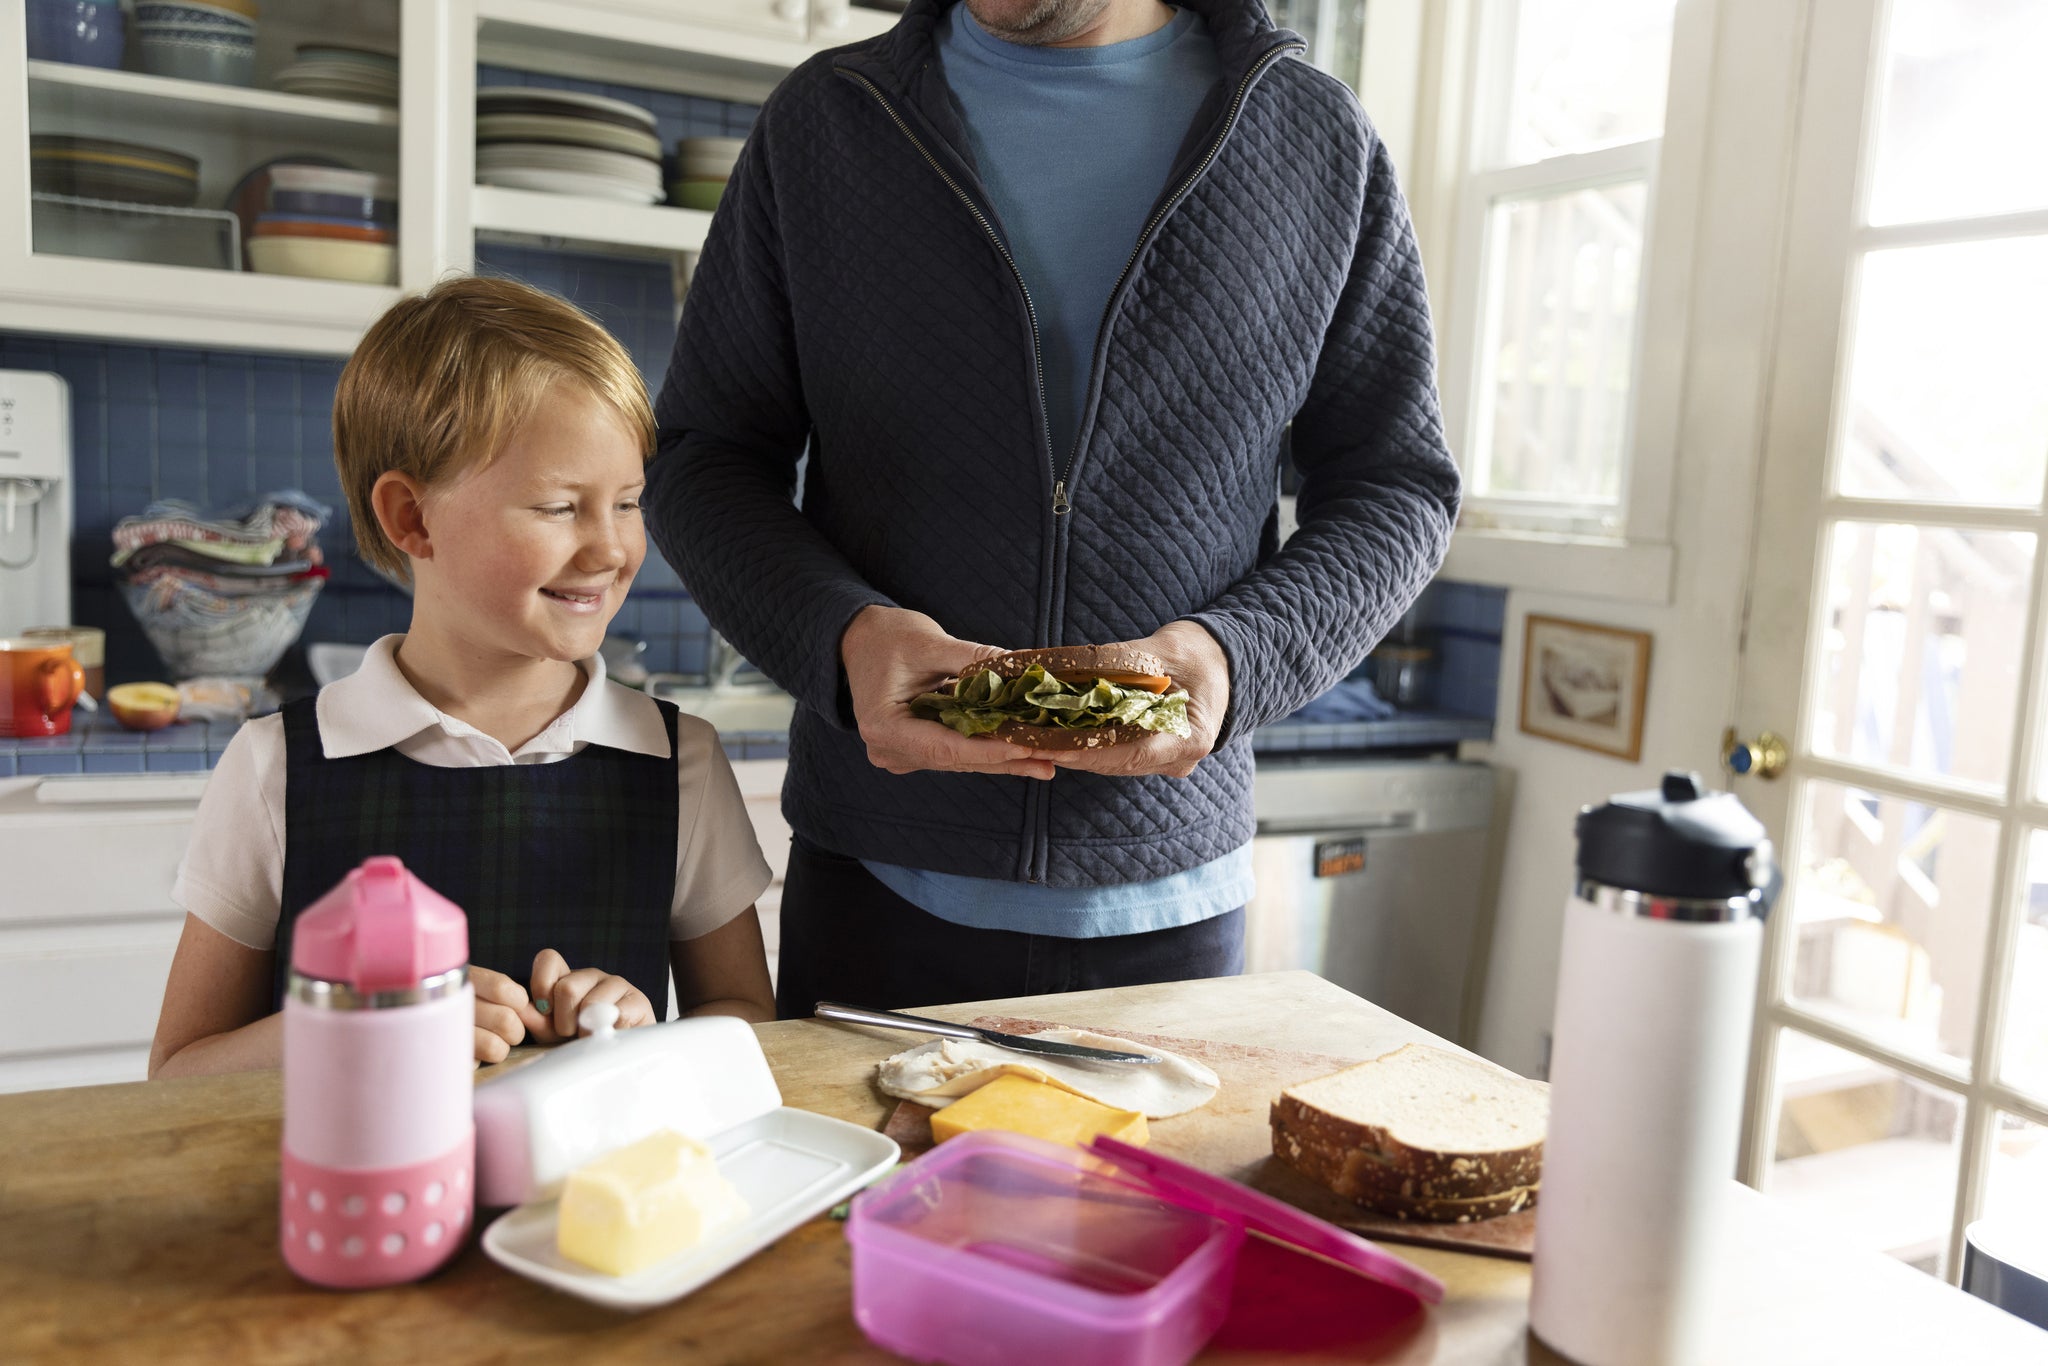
(1067, 697)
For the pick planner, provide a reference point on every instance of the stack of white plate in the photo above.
(568, 143)
(342, 73)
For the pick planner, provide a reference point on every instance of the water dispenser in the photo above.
(35, 501)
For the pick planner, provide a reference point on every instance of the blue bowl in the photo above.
(345, 208)
(215, 61)
(159, 14)
(81, 32)
(325, 220)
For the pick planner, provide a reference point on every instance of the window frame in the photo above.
(1461, 48)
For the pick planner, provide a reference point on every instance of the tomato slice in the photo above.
(1154, 683)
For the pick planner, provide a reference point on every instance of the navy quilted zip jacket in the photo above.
(855, 294)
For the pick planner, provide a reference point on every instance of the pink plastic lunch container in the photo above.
(995, 1249)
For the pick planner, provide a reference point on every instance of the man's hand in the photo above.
(1195, 662)
(892, 655)
(504, 1014)
(567, 992)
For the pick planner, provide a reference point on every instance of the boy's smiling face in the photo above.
(533, 551)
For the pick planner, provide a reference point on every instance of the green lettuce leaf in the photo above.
(982, 702)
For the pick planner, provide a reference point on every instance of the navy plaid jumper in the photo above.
(578, 856)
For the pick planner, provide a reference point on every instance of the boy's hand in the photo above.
(504, 1015)
(566, 993)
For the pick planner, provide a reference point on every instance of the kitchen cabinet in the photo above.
(722, 49)
(87, 930)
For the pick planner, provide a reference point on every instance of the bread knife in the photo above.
(1019, 1043)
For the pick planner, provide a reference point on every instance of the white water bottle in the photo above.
(1655, 997)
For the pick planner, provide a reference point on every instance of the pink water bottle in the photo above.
(379, 1142)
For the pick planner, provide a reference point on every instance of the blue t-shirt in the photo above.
(1074, 146)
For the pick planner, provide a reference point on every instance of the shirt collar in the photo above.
(376, 708)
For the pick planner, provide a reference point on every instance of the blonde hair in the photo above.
(439, 383)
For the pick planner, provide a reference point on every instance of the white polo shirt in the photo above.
(233, 875)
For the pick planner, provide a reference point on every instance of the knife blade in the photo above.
(1017, 1043)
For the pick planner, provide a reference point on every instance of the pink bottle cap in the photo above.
(382, 929)
(1226, 1199)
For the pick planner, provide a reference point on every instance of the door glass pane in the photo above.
(1587, 74)
(2025, 1064)
(1865, 1154)
(1890, 910)
(1964, 105)
(1559, 341)
(1920, 659)
(1946, 398)
(2018, 1186)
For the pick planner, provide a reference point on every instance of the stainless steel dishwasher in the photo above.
(1376, 874)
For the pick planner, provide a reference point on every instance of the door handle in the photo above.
(1764, 757)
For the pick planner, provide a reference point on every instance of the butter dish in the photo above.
(706, 1078)
(587, 1097)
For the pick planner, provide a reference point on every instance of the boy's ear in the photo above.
(400, 504)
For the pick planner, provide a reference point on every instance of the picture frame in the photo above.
(1585, 684)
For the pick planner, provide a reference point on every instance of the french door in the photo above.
(1894, 634)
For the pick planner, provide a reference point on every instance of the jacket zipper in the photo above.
(1059, 492)
(1061, 503)
(1061, 476)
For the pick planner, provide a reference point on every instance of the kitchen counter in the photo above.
(98, 744)
(139, 1222)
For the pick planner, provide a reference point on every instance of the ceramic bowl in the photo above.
(81, 32)
(329, 229)
(331, 180)
(365, 263)
(194, 14)
(197, 55)
(351, 207)
(696, 194)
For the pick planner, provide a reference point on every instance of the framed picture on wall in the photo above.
(1585, 685)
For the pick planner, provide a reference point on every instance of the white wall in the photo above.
(1723, 173)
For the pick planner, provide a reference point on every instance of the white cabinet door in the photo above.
(87, 930)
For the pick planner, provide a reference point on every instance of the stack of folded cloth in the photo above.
(222, 594)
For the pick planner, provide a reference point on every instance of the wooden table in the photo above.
(139, 1223)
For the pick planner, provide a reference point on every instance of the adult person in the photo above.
(1042, 286)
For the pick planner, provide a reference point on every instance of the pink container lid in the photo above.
(1227, 1199)
(382, 929)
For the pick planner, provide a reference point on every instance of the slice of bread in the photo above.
(1415, 1130)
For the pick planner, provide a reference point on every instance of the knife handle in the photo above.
(890, 1019)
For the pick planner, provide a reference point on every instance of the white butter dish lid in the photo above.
(585, 1098)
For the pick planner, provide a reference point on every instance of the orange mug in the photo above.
(39, 682)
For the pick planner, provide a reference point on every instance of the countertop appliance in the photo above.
(35, 501)
(1377, 874)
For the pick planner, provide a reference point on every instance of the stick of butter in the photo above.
(1024, 1106)
(644, 1202)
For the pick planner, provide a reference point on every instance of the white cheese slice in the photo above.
(942, 1071)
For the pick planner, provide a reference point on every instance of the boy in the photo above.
(491, 440)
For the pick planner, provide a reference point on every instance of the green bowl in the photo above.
(696, 194)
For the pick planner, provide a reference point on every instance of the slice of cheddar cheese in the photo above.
(644, 1202)
(1023, 1106)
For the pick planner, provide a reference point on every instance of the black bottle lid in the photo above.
(1680, 840)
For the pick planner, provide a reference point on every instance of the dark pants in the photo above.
(847, 937)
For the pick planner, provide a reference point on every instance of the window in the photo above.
(1566, 117)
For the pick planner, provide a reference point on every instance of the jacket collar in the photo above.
(899, 59)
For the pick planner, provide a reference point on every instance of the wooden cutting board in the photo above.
(1232, 1137)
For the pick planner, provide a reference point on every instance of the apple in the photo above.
(144, 706)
